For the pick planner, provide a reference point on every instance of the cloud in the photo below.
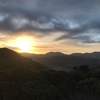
(77, 19)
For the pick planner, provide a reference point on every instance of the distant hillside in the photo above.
(60, 61)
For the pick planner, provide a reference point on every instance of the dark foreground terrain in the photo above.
(23, 79)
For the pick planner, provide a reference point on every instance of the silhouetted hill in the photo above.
(13, 65)
(60, 61)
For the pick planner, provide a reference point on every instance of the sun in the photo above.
(24, 44)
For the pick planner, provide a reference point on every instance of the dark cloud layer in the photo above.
(78, 19)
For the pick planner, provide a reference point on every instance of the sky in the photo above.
(68, 26)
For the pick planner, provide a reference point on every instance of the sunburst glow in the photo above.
(25, 44)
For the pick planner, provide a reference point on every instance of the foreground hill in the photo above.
(60, 61)
(13, 65)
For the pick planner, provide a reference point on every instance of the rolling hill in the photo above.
(13, 65)
(60, 61)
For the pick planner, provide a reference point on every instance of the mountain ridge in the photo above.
(13, 65)
(61, 61)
